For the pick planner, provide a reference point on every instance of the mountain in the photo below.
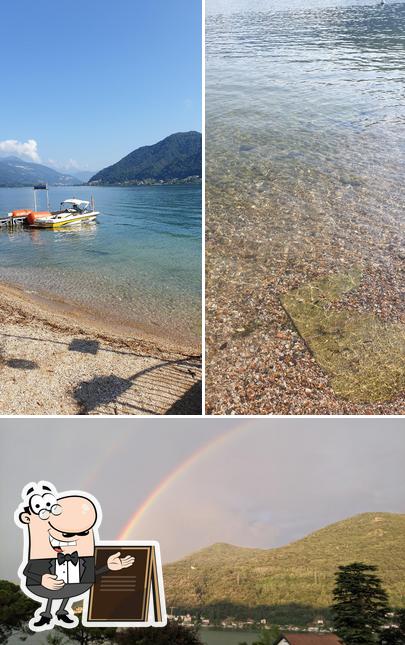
(289, 583)
(177, 157)
(16, 172)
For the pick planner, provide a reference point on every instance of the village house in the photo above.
(308, 639)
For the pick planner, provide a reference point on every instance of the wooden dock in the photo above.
(12, 222)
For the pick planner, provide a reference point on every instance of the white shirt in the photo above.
(68, 572)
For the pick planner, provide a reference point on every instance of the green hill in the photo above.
(175, 158)
(290, 582)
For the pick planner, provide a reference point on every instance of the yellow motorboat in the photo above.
(73, 211)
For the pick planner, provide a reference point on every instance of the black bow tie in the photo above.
(69, 557)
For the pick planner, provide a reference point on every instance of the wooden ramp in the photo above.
(164, 387)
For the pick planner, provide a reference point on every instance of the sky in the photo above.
(256, 483)
(85, 83)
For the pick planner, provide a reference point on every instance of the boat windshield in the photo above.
(74, 205)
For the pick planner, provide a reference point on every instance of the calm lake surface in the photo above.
(218, 637)
(140, 263)
(304, 91)
(208, 637)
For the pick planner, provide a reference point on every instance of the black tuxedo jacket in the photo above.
(35, 569)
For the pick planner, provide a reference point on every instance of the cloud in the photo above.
(28, 149)
(69, 165)
(72, 164)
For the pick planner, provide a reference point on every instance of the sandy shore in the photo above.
(55, 361)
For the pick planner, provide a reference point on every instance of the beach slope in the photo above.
(54, 362)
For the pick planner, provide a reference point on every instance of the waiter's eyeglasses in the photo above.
(44, 513)
(45, 505)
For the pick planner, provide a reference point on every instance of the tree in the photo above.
(268, 636)
(360, 604)
(56, 637)
(88, 635)
(395, 635)
(172, 634)
(391, 636)
(16, 609)
(400, 619)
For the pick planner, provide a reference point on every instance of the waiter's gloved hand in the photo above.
(51, 582)
(116, 563)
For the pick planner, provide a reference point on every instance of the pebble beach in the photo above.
(258, 363)
(54, 361)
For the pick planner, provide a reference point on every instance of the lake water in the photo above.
(207, 636)
(220, 637)
(305, 95)
(305, 160)
(140, 263)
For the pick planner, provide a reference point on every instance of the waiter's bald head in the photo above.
(59, 524)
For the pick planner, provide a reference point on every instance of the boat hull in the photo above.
(59, 223)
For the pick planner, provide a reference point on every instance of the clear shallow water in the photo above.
(307, 94)
(305, 158)
(141, 262)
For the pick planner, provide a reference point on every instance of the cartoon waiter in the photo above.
(60, 531)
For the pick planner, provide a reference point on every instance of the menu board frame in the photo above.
(153, 613)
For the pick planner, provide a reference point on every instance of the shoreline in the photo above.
(52, 304)
(56, 360)
(147, 183)
(144, 314)
(121, 185)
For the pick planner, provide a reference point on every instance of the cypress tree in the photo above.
(395, 635)
(360, 604)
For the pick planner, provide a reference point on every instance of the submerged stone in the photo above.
(244, 147)
(363, 355)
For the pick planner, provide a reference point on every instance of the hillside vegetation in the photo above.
(176, 157)
(297, 576)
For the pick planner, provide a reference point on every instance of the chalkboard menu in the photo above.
(132, 596)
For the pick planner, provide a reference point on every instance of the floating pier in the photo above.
(12, 222)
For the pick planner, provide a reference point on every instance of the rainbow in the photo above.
(177, 472)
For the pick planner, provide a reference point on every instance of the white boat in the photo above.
(72, 211)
